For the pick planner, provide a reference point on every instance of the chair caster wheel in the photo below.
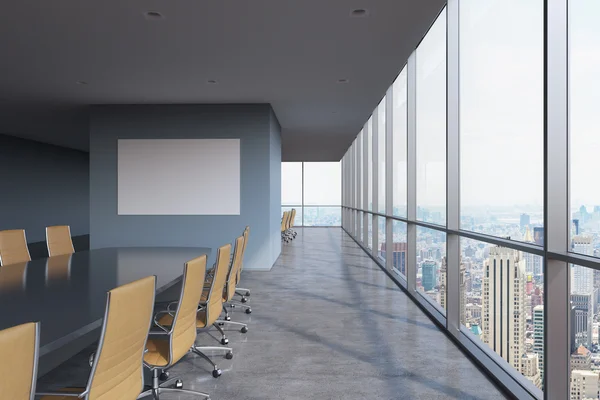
(224, 341)
(220, 323)
(229, 355)
(244, 300)
(232, 305)
(216, 373)
(179, 384)
(248, 311)
(164, 375)
(228, 318)
(248, 293)
(244, 329)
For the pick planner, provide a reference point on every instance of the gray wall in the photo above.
(275, 187)
(260, 150)
(43, 185)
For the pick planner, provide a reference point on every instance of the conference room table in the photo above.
(67, 294)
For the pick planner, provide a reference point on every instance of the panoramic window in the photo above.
(322, 194)
(369, 165)
(501, 117)
(400, 121)
(584, 119)
(431, 265)
(381, 156)
(431, 124)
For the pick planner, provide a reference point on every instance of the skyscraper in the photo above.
(462, 285)
(399, 256)
(584, 318)
(525, 220)
(503, 315)
(538, 336)
(429, 275)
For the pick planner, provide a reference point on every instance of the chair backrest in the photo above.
(293, 218)
(13, 247)
(284, 221)
(245, 235)
(232, 276)
(19, 354)
(183, 329)
(117, 371)
(214, 299)
(58, 239)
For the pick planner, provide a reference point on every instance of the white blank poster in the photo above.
(179, 176)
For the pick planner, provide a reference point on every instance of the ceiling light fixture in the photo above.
(359, 13)
(81, 82)
(211, 82)
(153, 15)
(343, 81)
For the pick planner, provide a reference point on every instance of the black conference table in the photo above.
(67, 294)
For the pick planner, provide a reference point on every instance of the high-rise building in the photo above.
(462, 287)
(525, 220)
(538, 336)
(538, 235)
(429, 275)
(398, 256)
(583, 318)
(584, 385)
(503, 308)
(581, 359)
(533, 263)
(530, 368)
(537, 298)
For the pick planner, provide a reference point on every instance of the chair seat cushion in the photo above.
(158, 352)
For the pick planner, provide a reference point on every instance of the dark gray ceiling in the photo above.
(289, 53)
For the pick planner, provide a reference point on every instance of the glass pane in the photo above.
(583, 346)
(400, 121)
(381, 237)
(291, 183)
(431, 124)
(359, 177)
(381, 156)
(298, 220)
(360, 227)
(322, 216)
(369, 231)
(322, 184)
(400, 248)
(501, 117)
(370, 165)
(431, 264)
(584, 86)
(501, 304)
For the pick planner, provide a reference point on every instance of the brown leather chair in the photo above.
(117, 368)
(211, 305)
(13, 277)
(284, 225)
(230, 284)
(58, 239)
(243, 291)
(178, 332)
(19, 354)
(13, 247)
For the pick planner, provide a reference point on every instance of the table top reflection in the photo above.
(67, 293)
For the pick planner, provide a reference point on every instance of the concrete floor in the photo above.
(327, 323)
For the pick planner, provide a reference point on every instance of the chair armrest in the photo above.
(160, 313)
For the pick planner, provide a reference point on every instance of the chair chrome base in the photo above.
(158, 388)
(244, 327)
(198, 351)
(242, 292)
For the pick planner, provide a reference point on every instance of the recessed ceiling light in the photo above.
(359, 12)
(211, 82)
(153, 15)
(343, 81)
(81, 82)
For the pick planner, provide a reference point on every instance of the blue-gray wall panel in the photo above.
(249, 123)
(43, 185)
(275, 196)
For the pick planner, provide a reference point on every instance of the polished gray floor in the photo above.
(327, 323)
